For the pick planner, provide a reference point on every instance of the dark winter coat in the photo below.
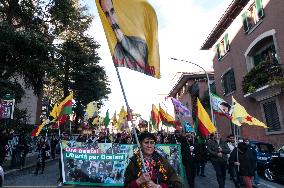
(246, 158)
(200, 152)
(131, 174)
(213, 149)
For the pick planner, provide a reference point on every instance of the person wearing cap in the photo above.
(160, 174)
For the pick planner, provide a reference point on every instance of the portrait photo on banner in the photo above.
(131, 30)
(104, 164)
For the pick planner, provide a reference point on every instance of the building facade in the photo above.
(31, 103)
(248, 42)
(189, 86)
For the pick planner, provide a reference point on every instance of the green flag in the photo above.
(106, 119)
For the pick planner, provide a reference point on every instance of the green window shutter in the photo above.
(218, 51)
(259, 8)
(245, 22)
(226, 41)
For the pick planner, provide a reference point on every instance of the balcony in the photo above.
(263, 81)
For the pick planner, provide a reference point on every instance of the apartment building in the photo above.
(248, 42)
(190, 85)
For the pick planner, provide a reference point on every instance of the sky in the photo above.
(183, 26)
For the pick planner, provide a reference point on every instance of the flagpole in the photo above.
(70, 127)
(209, 88)
(130, 115)
(235, 131)
(58, 124)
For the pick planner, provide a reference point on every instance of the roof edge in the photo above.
(224, 22)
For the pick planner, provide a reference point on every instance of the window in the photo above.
(194, 89)
(252, 16)
(223, 47)
(271, 115)
(265, 148)
(228, 82)
(268, 54)
(281, 151)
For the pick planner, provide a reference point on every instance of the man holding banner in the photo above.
(160, 173)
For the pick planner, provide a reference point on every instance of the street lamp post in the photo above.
(211, 108)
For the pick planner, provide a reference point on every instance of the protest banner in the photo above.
(104, 164)
(7, 105)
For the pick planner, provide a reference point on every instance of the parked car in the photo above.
(274, 170)
(264, 152)
(1, 176)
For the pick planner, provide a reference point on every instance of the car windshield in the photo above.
(281, 150)
(265, 148)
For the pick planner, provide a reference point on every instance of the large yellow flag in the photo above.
(240, 116)
(114, 120)
(92, 109)
(122, 115)
(131, 29)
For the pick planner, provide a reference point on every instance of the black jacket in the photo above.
(213, 149)
(246, 158)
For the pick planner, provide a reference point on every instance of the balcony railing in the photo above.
(266, 73)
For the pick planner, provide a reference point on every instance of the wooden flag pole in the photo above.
(129, 113)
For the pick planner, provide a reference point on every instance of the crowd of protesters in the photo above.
(15, 146)
(226, 156)
(238, 159)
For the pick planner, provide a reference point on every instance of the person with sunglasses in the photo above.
(160, 174)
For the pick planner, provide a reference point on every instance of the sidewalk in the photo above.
(31, 160)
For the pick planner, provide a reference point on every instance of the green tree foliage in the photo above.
(24, 44)
(76, 57)
(46, 42)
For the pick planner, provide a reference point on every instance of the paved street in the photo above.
(26, 178)
(210, 180)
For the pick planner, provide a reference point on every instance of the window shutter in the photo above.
(218, 51)
(232, 80)
(222, 84)
(228, 82)
(194, 89)
(259, 8)
(226, 41)
(245, 22)
(271, 115)
(225, 82)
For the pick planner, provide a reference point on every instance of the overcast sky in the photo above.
(183, 27)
